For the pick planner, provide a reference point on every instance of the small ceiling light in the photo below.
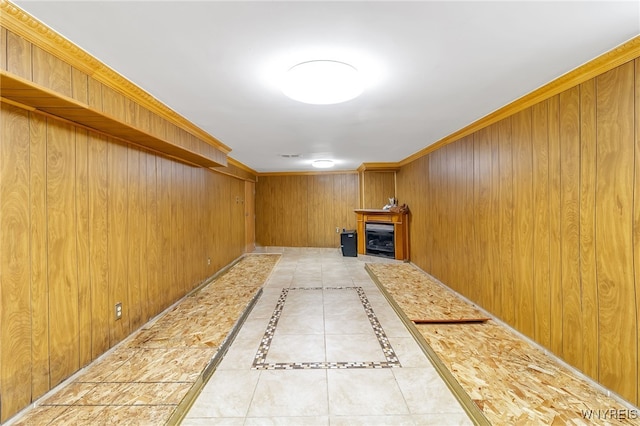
(322, 164)
(322, 82)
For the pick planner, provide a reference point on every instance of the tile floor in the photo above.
(322, 346)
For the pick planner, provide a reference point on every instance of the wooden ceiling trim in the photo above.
(379, 167)
(308, 173)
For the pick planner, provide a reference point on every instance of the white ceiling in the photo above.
(432, 67)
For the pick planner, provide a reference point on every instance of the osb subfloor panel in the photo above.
(144, 378)
(512, 381)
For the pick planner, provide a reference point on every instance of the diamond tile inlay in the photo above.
(259, 362)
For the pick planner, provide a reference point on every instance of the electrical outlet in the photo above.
(118, 310)
(337, 230)
(208, 261)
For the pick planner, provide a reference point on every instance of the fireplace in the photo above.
(383, 233)
(380, 239)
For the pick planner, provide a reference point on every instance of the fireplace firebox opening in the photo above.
(379, 239)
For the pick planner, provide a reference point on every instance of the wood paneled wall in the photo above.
(537, 219)
(376, 188)
(305, 210)
(88, 221)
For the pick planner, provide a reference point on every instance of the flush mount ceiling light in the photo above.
(322, 82)
(322, 164)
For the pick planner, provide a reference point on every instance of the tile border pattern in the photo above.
(259, 362)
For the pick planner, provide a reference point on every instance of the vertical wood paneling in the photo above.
(569, 120)
(378, 188)
(564, 239)
(142, 214)
(413, 184)
(113, 104)
(304, 210)
(118, 261)
(153, 241)
(495, 292)
(361, 200)
(455, 183)
(468, 213)
(542, 292)
(523, 222)
(458, 211)
(39, 284)
(237, 220)
(317, 217)
(482, 199)
(62, 251)
(250, 216)
(94, 94)
(506, 220)
(587, 227)
(614, 242)
(447, 255)
(436, 187)
(98, 180)
(222, 219)
(142, 118)
(18, 56)
(80, 86)
(297, 233)
(134, 241)
(3, 48)
(82, 247)
(51, 72)
(555, 267)
(636, 225)
(15, 300)
(336, 217)
(83, 225)
(177, 226)
(165, 280)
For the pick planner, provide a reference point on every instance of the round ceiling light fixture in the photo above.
(322, 82)
(323, 164)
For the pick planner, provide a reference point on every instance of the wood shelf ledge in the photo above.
(21, 92)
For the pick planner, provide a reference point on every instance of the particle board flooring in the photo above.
(146, 377)
(511, 380)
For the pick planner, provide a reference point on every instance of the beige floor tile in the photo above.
(287, 348)
(240, 355)
(288, 421)
(424, 391)
(442, 420)
(290, 393)
(227, 394)
(364, 392)
(320, 326)
(357, 323)
(372, 421)
(354, 348)
(310, 322)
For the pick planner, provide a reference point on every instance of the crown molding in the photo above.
(615, 57)
(26, 26)
(312, 173)
(379, 167)
(238, 164)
